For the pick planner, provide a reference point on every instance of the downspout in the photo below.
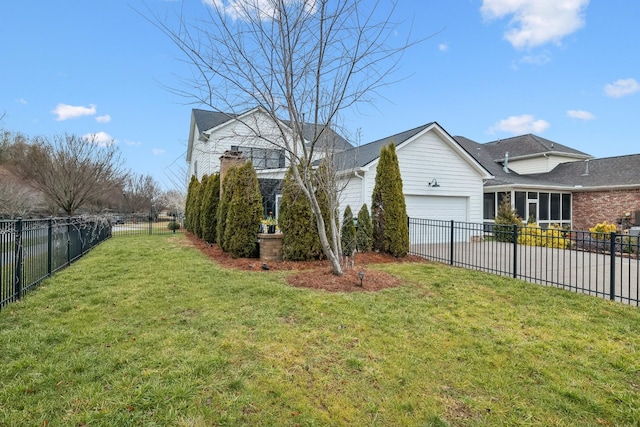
(362, 189)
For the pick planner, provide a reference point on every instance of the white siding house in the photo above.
(214, 133)
(440, 179)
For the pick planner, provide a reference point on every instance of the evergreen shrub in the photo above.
(348, 233)
(389, 211)
(300, 241)
(244, 214)
(364, 232)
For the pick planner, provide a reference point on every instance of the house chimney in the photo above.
(230, 159)
(505, 167)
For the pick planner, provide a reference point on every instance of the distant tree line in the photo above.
(68, 174)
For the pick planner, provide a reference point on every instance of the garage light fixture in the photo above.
(434, 183)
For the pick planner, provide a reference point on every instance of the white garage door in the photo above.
(439, 208)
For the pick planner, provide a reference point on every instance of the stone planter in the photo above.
(270, 246)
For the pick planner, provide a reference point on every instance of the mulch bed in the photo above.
(315, 274)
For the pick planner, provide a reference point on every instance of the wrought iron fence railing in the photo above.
(606, 265)
(144, 224)
(33, 249)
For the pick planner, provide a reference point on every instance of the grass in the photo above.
(147, 331)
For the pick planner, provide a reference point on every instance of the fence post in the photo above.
(68, 240)
(612, 267)
(49, 246)
(515, 251)
(17, 284)
(150, 222)
(451, 236)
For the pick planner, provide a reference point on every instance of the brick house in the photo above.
(555, 184)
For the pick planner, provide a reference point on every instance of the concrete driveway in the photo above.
(575, 270)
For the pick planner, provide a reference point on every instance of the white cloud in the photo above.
(103, 119)
(22, 101)
(581, 115)
(261, 9)
(134, 143)
(103, 139)
(443, 47)
(539, 59)
(157, 151)
(622, 87)
(516, 125)
(537, 22)
(64, 111)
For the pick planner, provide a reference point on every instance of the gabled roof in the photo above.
(206, 120)
(604, 172)
(486, 158)
(529, 145)
(362, 155)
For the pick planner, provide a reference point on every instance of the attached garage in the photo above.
(440, 180)
(437, 211)
(445, 208)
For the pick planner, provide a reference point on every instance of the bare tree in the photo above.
(16, 198)
(141, 193)
(303, 63)
(174, 200)
(72, 172)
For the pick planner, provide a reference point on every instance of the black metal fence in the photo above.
(144, 224)
(32, 250)
(606, 265)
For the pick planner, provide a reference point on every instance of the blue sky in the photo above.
(491, 69)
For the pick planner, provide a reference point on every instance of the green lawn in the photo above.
(147, 331)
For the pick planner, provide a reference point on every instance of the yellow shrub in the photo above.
(602, 228)
(553, 237)
(531, 235)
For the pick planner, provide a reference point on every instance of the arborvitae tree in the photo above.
(188, 208)
(194, 208)
(228, 186)
(348, 233)
(364, 233)
(209, 210)
(245, 214)
(506, 218)
(390, 224)
(300, 241)
(197, 203)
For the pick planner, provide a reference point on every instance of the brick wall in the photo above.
(592, 207)
(270, 246)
